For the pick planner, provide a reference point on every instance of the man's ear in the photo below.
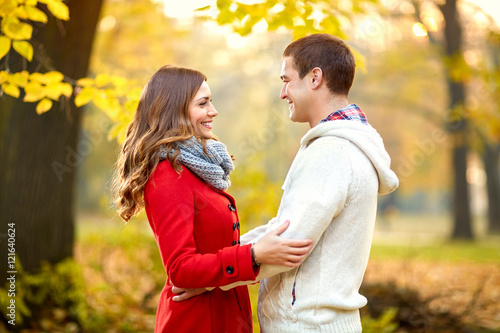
(316, 77)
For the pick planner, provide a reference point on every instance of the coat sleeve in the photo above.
(170, 208)
(315, 193)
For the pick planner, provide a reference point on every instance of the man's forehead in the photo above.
(287, 66)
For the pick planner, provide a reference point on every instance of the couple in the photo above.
(310, 259)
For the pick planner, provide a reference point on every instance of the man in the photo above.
(330, 195)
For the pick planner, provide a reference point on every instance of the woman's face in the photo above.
(201, 112)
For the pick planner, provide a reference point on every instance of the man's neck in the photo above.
(325, 109)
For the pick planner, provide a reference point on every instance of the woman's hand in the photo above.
(274, 250)
(184, 294)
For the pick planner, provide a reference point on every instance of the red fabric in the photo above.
(196, 227)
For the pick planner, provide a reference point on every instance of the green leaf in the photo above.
(11, 89)
(35, 14)
(85, 96)
(24, 48)
(15, 29)
(59, 9)
(43, 106)
(4, 46)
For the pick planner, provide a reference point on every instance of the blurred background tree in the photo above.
(40, 153)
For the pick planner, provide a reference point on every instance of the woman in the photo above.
(171, 164)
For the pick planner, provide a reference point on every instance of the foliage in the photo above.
(300, 17)
(54, 295)
(109, 96)
(383, 324)
(115, 96)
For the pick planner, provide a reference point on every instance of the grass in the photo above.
(115, 255)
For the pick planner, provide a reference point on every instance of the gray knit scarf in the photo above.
(213, 168)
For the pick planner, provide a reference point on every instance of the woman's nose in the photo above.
(212, 112)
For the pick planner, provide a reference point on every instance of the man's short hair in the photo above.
(327, 52)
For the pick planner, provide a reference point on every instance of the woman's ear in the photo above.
(316, 77)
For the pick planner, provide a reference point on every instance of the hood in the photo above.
(365, 138)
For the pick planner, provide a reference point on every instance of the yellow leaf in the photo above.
(24, 48)
(52, 76)
(4, 46)
(37, 77)
(43, 106)
(85, 82)
(15, 29)
(85, 96)
(118, 81)
(102, 79)
(35, 14)
(30, 2)
(109, 105)
(20, 12)
(53, 90)
(11, 90)
(4, 77)
(20, 78)
(7, 7)
(59, 9)
(66, 89)
(34, 92)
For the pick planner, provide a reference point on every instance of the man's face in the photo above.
(295, 91)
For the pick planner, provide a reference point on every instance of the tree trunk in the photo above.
(40, 153)
(491, 166)
(457, 125)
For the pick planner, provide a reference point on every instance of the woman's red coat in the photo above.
(197, 231)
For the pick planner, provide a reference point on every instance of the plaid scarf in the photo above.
(350, 112)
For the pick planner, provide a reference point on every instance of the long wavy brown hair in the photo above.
(161, 119)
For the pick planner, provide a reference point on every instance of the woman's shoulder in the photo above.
(165, 172)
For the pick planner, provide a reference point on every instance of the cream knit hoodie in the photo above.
(330, 196)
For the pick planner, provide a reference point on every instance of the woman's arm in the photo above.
(170, 205)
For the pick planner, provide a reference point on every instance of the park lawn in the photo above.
(123, 273)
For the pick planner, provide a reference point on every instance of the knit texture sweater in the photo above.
(330, 196)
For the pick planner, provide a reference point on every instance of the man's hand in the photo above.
(184, 294)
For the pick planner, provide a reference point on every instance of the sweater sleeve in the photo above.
(314, 194)
(252, 236)
(170, 205)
